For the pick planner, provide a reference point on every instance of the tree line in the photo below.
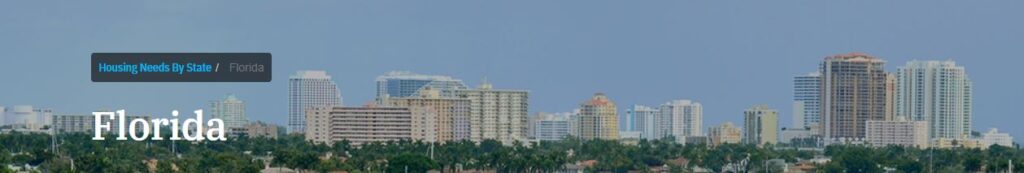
(76, 152)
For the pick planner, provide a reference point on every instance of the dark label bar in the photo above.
(181, 67)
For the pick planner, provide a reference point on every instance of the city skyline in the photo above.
(726, 60)
(624, 114)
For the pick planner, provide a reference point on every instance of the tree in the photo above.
(411, 163)
(854, 159)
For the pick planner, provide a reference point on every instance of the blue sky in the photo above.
(728, 55)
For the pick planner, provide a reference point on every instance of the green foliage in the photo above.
(293, 152)
(411, 163)
(853, 158)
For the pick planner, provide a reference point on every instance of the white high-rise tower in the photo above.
(309, 89)
(680, 118)
(937, 92)
(231, 110)
(645, 120)
(807, 100)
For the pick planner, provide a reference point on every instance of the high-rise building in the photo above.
(231, 110)
(760, 125)
(897, 132)
(574, 122)
(309, 89)
(626, 122)
(725, 133)
(452, 114)
(645, 120)
(86, 123)
(680, 118)
(496, 114)
(807, 100)
(598, 118)
(27, 118)
(853, 92)
(399, 84)
(76, 123)
(551, 127)
(938, 92)
(890, 97)
(360, 125)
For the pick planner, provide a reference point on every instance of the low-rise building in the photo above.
(696, 140)
(634, 135)
(956, 143)
(902, 133)
(261, 129)
(993, 137)
(550, 127)
(788, 134)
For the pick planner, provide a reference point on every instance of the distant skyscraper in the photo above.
(890, 97)
(496, 114)
(599, 118)
(399, 84)
(760, 125)
(807, 100)
(644, 120)
(725, 133)
(551, 127)
(574, 122)
(680, 118)
(26, 117)
(627, 121)
(452, 114)
(231, 111)
(853, 92)
(309, 89)
(937, 92)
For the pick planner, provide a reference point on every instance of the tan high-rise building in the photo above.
(727, 133)
(452, 113)
(360, 125)
(496, 114)
(760, 125)
(599, 118)
(890, 96)
(853, 92)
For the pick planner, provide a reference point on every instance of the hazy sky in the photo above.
(727, 55)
